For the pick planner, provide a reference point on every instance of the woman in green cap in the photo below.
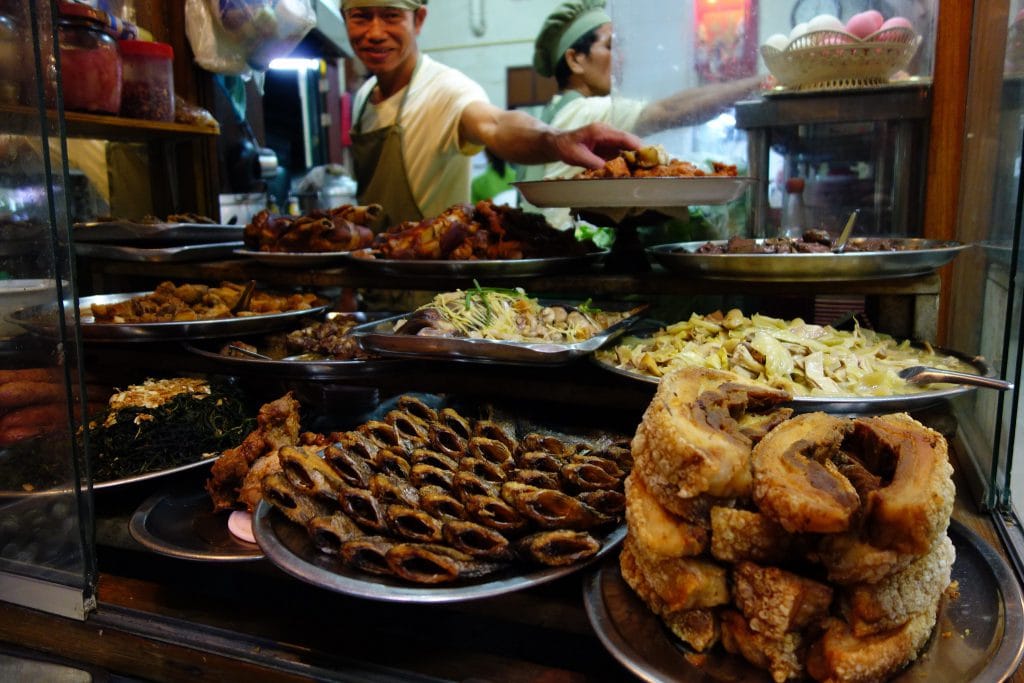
(417, 122)
(575, 47)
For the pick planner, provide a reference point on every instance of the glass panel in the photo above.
(45, 516)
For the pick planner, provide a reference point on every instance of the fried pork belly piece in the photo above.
(913, 509)
(775, 601)
(682, 583)
(873, 607)
(277, 424)
(747, 535)
(656, 530)
(690, 441)
(781, 656)
(850, 559)
(795, 481)
(698, 628)
(841, 657)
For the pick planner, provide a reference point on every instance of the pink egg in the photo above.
(894, 22)
(865, 23)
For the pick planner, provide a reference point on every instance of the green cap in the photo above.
(400, 4)
(562, 28)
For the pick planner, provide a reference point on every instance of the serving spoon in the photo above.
(922, 374)
(840, 245)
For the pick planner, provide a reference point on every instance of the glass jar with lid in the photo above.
(90, 62)
(147, 83)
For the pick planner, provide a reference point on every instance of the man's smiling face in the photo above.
(384, 38)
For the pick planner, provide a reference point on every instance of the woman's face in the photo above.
(383, 38)
(596, 66)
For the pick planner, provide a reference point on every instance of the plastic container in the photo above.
(147, 82)
(795, 218)
(89, 60)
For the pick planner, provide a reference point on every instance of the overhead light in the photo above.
(294, 64)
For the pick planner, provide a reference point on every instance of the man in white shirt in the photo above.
(417, 122)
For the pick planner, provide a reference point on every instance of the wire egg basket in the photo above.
(828, 60)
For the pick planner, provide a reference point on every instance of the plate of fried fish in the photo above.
(433, 501)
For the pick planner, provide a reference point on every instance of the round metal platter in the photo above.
(856, 404)
(292, 260)
(288, 546)
(919, 257)
(296, 367)
(42, 319)
(986, 623)
(497, 268)
(649, 193)
(182, 524)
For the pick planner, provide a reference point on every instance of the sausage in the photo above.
(25, 393)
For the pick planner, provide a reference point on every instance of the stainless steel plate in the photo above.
(379, 337)
(287, 545)
(650, 193)
(42, 319)
(182, 524)
(292, 260)
(176, 254)
(985, 623)
(498, 268)
(918, 258)
(858, 404)
(298, 367)
(129, 231)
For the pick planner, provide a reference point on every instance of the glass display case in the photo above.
(47, 559)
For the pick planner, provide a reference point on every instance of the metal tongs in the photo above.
(922, 374)
(244, 299)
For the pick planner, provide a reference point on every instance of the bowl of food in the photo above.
(21, 293)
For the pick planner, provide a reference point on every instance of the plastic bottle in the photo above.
(795, 217)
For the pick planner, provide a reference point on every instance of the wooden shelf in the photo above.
(25, 120)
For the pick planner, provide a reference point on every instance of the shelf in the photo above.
(21, 119)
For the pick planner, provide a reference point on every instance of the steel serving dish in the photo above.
(651, 193)
(380, 337)
(985, 623)
(150, 254)
(43, 320)
(480, 268)
(918, 257)
(121, 231)
(292, 259)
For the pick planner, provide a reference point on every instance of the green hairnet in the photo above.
(400, 4)
(562, 28)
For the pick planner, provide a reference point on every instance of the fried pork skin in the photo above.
(656, 530)
(775, 601)
(690, 441)
(682, 583)
(698, 628)
(795, 481)
(909, 513)
(747, 535)
(873, 607)
(780, 656)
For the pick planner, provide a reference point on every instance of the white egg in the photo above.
(797, 31)
(777, 41)
(825, 22)
(240, 526)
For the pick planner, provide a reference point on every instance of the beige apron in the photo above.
(380, 166)
(536, 172)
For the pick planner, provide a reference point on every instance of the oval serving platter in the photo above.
(919, 257)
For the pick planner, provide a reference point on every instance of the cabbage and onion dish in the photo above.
(801, 358)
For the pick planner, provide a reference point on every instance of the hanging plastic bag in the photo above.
(235, 36)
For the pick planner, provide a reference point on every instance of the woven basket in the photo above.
(835, 59)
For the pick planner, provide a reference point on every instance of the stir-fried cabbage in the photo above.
(802, 358)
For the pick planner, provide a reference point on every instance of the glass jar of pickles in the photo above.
(90, 63)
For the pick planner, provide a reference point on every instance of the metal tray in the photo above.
(176, 254)
(129, 231)
(296, 367)
(287, 545)
(292, 260)
(921, 257)
(182, 524)
(858, 404)
(379, 337)
(651, 193)
(986, 623)
(42, 319)
(498, 268)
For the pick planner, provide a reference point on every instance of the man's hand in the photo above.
(593, 144)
